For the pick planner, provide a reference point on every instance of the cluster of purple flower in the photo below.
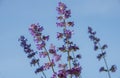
(74, 68)
(97, 46)
(71, 68)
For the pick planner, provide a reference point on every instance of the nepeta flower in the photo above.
(97, 45)
(35, 29)
(36, 32)
(102, 69)
(61, 24)
(59, 35)
(46, 38)
(57, 57)
(63, 48)
(30, 55)
(62, 74)
(43, 54)
(70, 24)
(49, 64)
(60, 18)
(61, 8)
(23, 43)
(41, 45)
(68, 47)
(62, 66)
(40, 69)
(78, 56)
(68, 33)
(113, 68)
(34, 62)
(54, 75)
(74, 71)
(67, 14)
(101, 55)
(74, 47)
(52, 49)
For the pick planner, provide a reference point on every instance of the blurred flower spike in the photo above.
(63, 60)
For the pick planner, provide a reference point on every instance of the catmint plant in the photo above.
(67, 52)
(74, 68)
(53, 54)
(102, 55)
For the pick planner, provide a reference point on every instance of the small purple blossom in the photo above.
(62, 74)
(54, 75)
(67, 14)
(43, 54)
(70, 24)
(40, 41)
(57, 57)
(40, 69)
(34, 62)
(113, 68)
(46, 38)
(61, 8)
(74, 47)
(59, 35)
(78, 56)
(30, 55)
(41, 45)
(52, 49)
(49, 64)
(75, 71)
(62, 66)
(63, 48)
(61, 24)
(101, 55)
(36, 32)
(68, 33)
(36, 29)
(60, 18)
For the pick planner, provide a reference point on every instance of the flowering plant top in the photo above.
(71, 67)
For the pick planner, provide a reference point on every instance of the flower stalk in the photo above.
(97, 46)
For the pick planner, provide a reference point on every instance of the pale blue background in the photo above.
(17, 15)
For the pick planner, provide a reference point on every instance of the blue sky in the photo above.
(17, 15)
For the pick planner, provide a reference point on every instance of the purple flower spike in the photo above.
(36, 32)
(61, 8)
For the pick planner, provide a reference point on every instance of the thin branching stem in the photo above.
(49, 59)
(105, 61)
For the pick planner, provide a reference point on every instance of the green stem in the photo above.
(44, 74)
(68, 53)
(69, 62)
(49, 59)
